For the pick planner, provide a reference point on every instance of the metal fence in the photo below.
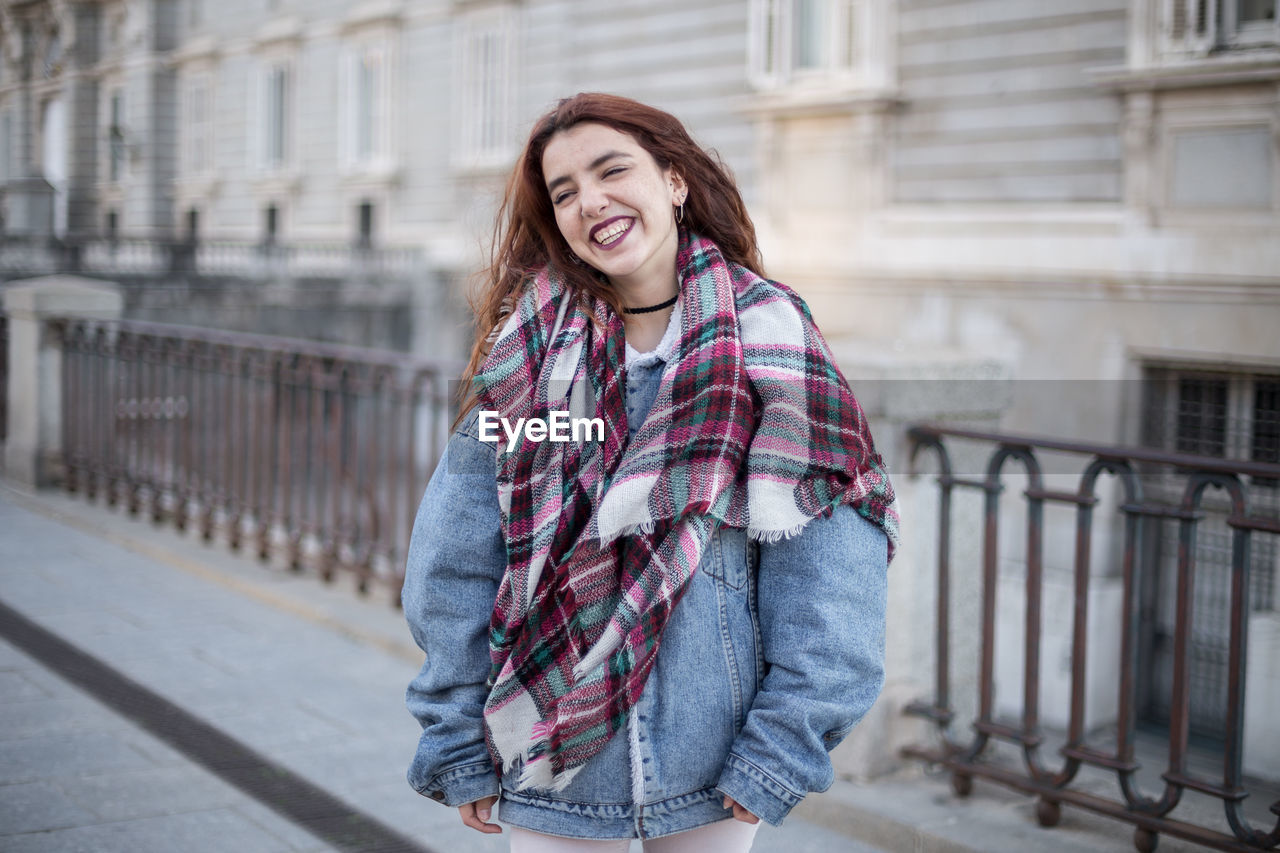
(1140, 516)
(314, 453)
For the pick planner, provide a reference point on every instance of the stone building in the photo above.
(1080, 200)
(1085, 201)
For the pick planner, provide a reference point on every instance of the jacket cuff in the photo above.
(464, 784)
(757, 791)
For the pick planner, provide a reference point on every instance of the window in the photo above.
(53, 56)
(276, 124)
(817, 43)
(1201, 416)
(1209, 413)
(6, 146)
(197, 126)
(277, 115)
(368, 70)
(483, 100)
(115, 139)
(1266, 425)
(367, 113)
(364, 224)
(1215, 413)
(1196, 28)
(271, 225)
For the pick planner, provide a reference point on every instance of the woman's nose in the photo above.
(591, 200)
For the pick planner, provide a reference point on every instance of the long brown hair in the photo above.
(527, 239)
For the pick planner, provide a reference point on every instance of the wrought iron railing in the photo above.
(314, 453)
(1132, 467)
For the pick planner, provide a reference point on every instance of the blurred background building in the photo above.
(1070, 212)
(1091, 193)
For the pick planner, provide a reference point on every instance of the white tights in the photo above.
(723, 836)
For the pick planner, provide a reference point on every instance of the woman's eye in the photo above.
(614, 171)
(561, 197)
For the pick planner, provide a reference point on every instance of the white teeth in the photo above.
(613, 232)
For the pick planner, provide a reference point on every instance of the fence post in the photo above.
(33, 448)
(895, 390)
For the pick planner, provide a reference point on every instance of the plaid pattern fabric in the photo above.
(753, 426)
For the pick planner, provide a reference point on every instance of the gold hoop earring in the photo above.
(680, 213)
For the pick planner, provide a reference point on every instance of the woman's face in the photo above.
(614, 205)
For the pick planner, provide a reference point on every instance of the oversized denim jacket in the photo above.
(770, 658)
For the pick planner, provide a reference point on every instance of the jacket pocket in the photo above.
(728, 558)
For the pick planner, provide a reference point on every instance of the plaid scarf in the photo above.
(753, 426)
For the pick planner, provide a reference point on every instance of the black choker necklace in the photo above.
(651, 308)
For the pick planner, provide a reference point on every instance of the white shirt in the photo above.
(666, 347)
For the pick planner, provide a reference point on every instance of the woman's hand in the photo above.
(476, 815)
(739, 813)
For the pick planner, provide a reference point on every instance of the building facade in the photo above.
(377, 121)
(1082, 200)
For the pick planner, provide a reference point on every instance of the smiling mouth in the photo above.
(608, 233)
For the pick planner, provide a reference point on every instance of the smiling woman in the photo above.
(597, 158)
(614, 207)
(660, 634)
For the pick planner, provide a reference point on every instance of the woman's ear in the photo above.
(679, 189)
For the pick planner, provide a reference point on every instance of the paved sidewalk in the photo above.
(307, 676)
(76, 776)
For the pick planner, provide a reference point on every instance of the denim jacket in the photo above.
(770, 658)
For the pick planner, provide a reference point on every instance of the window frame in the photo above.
(117, 153)
(1179, 37)
(1160, 377)
(379, 154)
(1162, 382)
(278, 132)
(198, 132)
(261, 119)
(857, 46)
(484, 102)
